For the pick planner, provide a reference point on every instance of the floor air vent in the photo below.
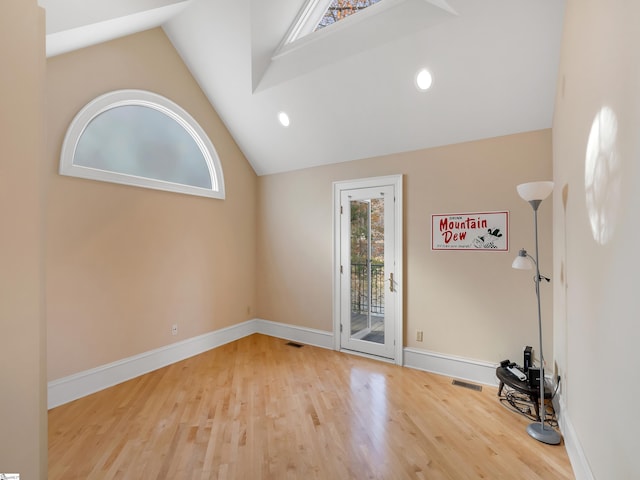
(294, 344)
(470, 386)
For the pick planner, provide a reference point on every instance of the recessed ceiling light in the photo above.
(284, 119)
(424, 80)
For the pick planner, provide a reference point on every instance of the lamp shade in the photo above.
(535, 190)
(522, 262)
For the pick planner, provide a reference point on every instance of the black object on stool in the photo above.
(533, 392)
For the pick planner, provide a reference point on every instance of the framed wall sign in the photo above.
(470, 231)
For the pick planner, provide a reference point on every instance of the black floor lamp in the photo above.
(535, 193)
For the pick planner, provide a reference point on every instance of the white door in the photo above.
(369, 302)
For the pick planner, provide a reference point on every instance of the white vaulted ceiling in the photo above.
(348, 89)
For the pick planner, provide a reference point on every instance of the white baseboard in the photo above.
(578, 459)
(451, 366)
(308, 336)
(84, 383)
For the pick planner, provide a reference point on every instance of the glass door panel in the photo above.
(367, 269)
(367, 266)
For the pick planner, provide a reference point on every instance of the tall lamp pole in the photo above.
(535, 193)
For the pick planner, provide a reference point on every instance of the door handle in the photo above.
(391, 289)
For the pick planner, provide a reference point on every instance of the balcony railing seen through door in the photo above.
(360, 301)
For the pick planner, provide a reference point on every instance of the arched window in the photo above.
(135, 137)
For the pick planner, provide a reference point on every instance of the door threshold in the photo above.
(368, 355)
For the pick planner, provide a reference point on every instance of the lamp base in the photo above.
(543, 433)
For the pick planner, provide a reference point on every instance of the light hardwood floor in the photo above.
(259, 409)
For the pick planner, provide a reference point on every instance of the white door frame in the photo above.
(338, 187)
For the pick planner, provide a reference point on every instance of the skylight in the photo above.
(340, 9)
(318, 14)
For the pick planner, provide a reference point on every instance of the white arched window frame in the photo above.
(104, 107)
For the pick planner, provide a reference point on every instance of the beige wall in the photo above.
(597, 306)
(125, 263)
(23, 419)
(469, 304)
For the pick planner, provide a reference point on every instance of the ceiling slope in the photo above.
(349, 90)
(494, 67)
(73, 24)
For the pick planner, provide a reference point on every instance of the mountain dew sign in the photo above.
(470, 231)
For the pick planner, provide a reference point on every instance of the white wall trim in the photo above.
(577, 457)
(81, 384)
(84, 383)
(308, 336)
(451, 366)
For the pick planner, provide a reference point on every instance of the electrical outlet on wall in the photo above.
(174, 329)
(419, 335)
